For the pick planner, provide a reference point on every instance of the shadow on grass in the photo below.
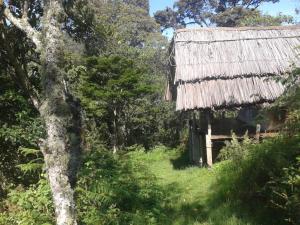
(182, 160)
(223, 212)
(180, 212)
(215, 209)
(217, 213)
(232, 210)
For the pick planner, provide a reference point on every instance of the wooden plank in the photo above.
(272, 134)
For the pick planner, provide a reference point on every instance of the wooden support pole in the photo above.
(201, 141)
(193, 138)
(209, 142)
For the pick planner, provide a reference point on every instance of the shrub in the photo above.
(111, 190)
(265, 173)
(29, 206)
(235, 150)
(284, 192)
(114, 190)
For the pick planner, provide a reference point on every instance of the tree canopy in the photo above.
(226, 13)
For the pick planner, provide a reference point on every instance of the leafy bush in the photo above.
(114, 190)
(234, 149)
(265, 174)
(29, 206)
(111, 190)
(284, 192)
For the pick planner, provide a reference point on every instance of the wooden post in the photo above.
(201, 142)
(192, 138)
(258, 127)
(208, 141)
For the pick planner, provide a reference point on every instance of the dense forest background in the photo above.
(115, 65)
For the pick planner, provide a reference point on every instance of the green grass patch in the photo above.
(191, 197)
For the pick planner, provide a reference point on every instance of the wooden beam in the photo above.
(262, 135)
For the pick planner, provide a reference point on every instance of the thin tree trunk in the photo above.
(62, 119)
(115, 133)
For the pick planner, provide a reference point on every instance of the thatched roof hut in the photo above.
(216, 68)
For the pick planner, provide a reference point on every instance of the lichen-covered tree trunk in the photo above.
(62, 118)
(57, 107)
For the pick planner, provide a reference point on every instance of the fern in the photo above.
(30, 167)
(35, 164)
(29, 151)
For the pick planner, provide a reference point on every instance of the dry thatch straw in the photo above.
(228, 67)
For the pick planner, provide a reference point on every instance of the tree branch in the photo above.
(23, 24)
(17, 72)
(25, 9)
(21, 79)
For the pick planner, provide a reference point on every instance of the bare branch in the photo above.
(23, 24)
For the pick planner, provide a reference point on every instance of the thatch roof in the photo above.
(232, 67)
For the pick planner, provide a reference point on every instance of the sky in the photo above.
(286, 7)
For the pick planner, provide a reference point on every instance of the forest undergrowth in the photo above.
(156, 187)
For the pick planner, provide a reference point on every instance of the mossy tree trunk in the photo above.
(57, 107)
(60, 114)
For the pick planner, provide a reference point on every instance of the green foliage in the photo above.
(257, 18)
(144, 4)
(145, 188)
(234, 149)
(190, 191)
(111, 27)
(113, 190)
(118, 78)
(108, 87)
(115, 80)
(289, 102)
(121, 84)
(285, 192)
(19, 127)
(124, 97)
(122, 90)
(35, 164)
(29, 206)
(263, 172)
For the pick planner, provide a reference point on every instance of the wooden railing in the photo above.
(261, 135)
(210, 138)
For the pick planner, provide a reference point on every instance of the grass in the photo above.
(191, 198)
